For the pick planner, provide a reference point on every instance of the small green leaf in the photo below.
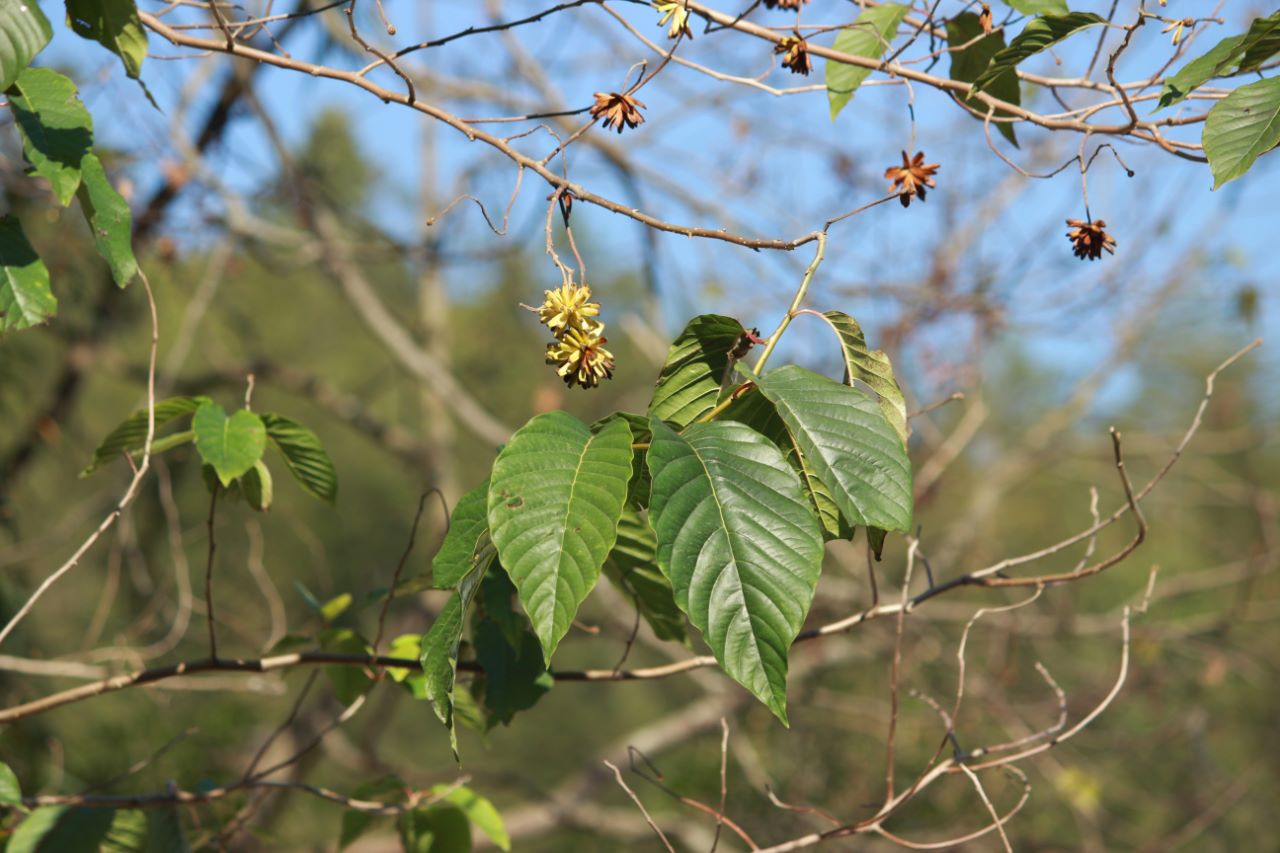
(438, 829)
(257, 486)
(870, 367)
(409, 647)
(10, 790)
(56, 129)
(1037, 35)
(303, 455)
(969, 62)
(467, 525)
(109, 219)
(632, 566)
(1038, 7)
(555, 496)
(441, 646)
(24, 31)
(479, 811)
(1242, 127)
(25, 297)
(127, 834)
(335, 607)
(696, 371)
(230, 444)
(868, 36)
(740, 545)
(1198, 71)
(62, 829)
(131, 435)
(115, 25)
(1260, 44)
(349, 681)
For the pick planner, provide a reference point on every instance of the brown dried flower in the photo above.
(1088, 239)
(794, 51)
(984, 19)
(617, 110)
(784, 4)
(911, 178)
(581, 358)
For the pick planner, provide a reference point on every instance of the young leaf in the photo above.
(1199, 71)
(115, 25)
(10, 790)
(852, 447)
(257, 487)
(229, 444)
(972, 60)
(692, 379)
(441, 646)
(438, 829)
(478, 809)
(1038, 7)
(109, 219)
(56, 129)
(24, 31)
(740, 545)
(468, 523)
(1240, 128)
(131, 435)
(872, 368)
(25, 297)
(1037, 35)
(632, 566)
(303, 456)
(867, 36)
(555, 496)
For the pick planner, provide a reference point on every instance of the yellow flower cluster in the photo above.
(578, 351)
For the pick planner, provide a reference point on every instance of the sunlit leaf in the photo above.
(868, 36)
(1242, 127)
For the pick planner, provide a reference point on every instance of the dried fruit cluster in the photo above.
(578, 351)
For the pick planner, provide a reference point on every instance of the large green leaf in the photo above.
(109, 219)
(303, 455)
(230, 444)
(131, 435)
(1038, 7)
(740, 545)
(479, 811)
(1037, 35)
(970, 61)
(1260, 44)
(872, 368)
(24, 31)
(849, 442)
(633, 567)
(1199, 71)
(56, 129)
(867, 36)
(555, 496)
(441, 646)
(692, 379)
(25, 297)
(1240, 128)
(467, 525)
(115, 25)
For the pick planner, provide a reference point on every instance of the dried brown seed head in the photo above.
(911, 178)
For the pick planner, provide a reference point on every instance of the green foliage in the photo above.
(10, 790)
(131, 435)
(632, 567)
(693, 378)
(479, 811)
(388, 789)
(115, 25)
(349, 682)
(24, 31)
(435, 829)
(1232, 55)
(740, 545)
(25, 297)
(972, 60)
(303, 455)
(1240, 128)
(56, 129)
(62, 829)
(467, 526)
(514, 676)
(257, 487)
(555, 497)
(1038, 7)
(870, 367)
(1039, 34)
(109, 220)
(1260, 43)
(869, 36)
(442, 645)
(230, 444)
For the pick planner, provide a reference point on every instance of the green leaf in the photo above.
(438, 829)
(638, 488)
(1199, 71)
(61, 829)
(1037, 35)
(25, 297)
(441, 646)
(496, 596)
(335, 607)
(127, 834)
(10, 790)
(1240, 128)
(849, 442)
(409, 647)
(115, 25)
(1038, 7)
(229, 444)
(479, 811)
(868, 36)
(467, 525)
(632, 566)
(303, 455)
(693, 378)
(969, 62)
(24, 31)
(388, 789)
(555, 496)
(257, 486)
(349, 681)
(513, 676)
(872, 368)
(56, 129)
(109, 219)
(1260, 43)
(164, 832)
(740, 545)
(131, 435)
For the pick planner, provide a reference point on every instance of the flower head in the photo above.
(911, 178)
(1088, 239)
(580, 357)
(794, 51)
(784, 4)
(617, 110)
(569, 307)
(675, 17)
(984, 19)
